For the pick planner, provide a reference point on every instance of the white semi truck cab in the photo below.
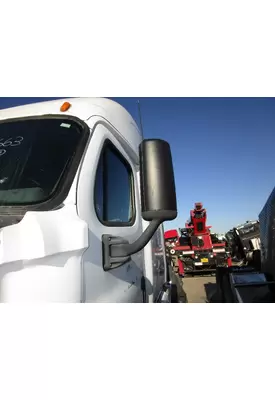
(82, 201)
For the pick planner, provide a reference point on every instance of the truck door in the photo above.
(108, 200)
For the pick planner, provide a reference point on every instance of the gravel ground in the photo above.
(199, 289)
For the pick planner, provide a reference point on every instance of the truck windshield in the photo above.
(35, 154)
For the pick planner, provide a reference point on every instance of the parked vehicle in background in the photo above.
(196, 249)
(254, 242)
(243, 240)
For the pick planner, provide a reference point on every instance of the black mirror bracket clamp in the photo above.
(110, 262)
(117, 251)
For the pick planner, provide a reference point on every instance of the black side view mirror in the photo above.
(158, 201)
(158, 192)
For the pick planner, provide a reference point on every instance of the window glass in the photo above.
(113, 190)
(35, 154)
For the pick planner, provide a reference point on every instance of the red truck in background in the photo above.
(196, 249)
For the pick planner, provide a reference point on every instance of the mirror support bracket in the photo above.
(117, 251)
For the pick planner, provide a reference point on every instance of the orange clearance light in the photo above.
(65, 106)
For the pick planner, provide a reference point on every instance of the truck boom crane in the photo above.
(194, 248)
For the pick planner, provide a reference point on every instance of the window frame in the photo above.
(108, 144)
(64, 186)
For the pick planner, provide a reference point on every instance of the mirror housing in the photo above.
(157, 183)
(158, 202)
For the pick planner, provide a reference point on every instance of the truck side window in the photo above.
(114, 200)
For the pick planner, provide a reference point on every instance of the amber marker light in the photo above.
(65, 106)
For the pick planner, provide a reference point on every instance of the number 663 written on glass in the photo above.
(10, 142)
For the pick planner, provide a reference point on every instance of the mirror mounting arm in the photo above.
(117, 251)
